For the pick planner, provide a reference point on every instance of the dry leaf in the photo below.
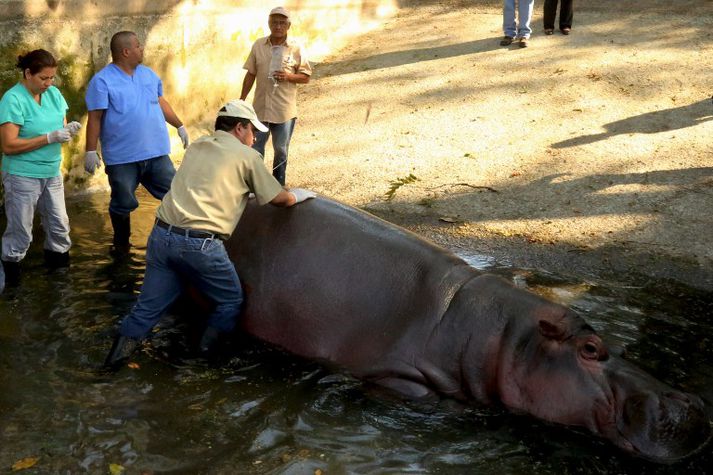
(115, 469)
(133, 365)
(22, 464)
(447, 219)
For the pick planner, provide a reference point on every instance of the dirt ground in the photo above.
(588, 155)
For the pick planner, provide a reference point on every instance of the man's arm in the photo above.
(287, 198)
(297, 78)
(168, 113)
(248, 82)
(284, 199)
(94, 125)
(172, 118)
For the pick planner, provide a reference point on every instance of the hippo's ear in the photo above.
(553, 331)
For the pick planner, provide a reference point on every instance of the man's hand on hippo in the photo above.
(302, 194)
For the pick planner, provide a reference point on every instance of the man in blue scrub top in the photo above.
(128, 114)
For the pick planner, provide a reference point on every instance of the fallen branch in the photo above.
(477, 187)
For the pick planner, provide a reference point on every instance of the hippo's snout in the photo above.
(664, 427)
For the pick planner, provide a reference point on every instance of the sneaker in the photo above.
(506, 41)
(523, 42)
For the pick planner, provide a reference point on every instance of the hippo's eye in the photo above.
(590, 351)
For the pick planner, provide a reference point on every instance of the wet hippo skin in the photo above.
(332, 283)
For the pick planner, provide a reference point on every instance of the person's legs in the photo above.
(524, 14)
(549, 13)
(566, 13)
(260, 141)
(281, 136)
(21, 196)
(55, 222)
(209, 268)
(123, 180)
(161, 286)
(509, 27)
(157, 175)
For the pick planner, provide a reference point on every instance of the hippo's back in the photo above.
(327, 281)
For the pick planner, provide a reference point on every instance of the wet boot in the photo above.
(12, 273)
(56, 260)
(122, 348)
(122, 230)
(209, 342)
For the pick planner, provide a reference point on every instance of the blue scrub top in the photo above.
(19, 107)
(133, 127)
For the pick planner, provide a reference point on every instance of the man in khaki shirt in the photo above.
(279, 65)
(204, 204)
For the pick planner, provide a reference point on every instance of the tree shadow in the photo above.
(658, 207)
(649, 123)
(597, 194)
(399, 58)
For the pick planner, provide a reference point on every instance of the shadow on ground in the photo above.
(652, 122)
(649, 204)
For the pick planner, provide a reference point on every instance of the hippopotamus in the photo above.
(335, 284)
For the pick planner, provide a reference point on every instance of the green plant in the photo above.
(398, 183)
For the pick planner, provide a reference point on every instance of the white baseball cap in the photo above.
(243, 110)
(280, 11)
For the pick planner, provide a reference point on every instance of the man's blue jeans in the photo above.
(173, 261)
(281, 135)
(155, 174)
(524, 16)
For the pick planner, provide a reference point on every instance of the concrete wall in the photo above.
(197, 47)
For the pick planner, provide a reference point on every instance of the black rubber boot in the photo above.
(122, 348)
(56, 260)
(122, 230)
(12, 273)
(209, 342)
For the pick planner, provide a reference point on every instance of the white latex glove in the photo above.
(73, 127)
(302, 194)
(58, 136)
(184, 136)
(92, 161)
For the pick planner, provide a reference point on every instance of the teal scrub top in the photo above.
(19, 107)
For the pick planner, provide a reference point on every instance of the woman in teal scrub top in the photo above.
(32, 128)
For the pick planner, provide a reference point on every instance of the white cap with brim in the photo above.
(280, 11)
(241, 109)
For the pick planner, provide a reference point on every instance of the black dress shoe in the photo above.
(565, 30)
(506, 41)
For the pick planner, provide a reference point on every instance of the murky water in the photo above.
(265, 412)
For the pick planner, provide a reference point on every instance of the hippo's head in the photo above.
(564, 373)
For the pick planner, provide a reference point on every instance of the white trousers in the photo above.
(24, 195)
